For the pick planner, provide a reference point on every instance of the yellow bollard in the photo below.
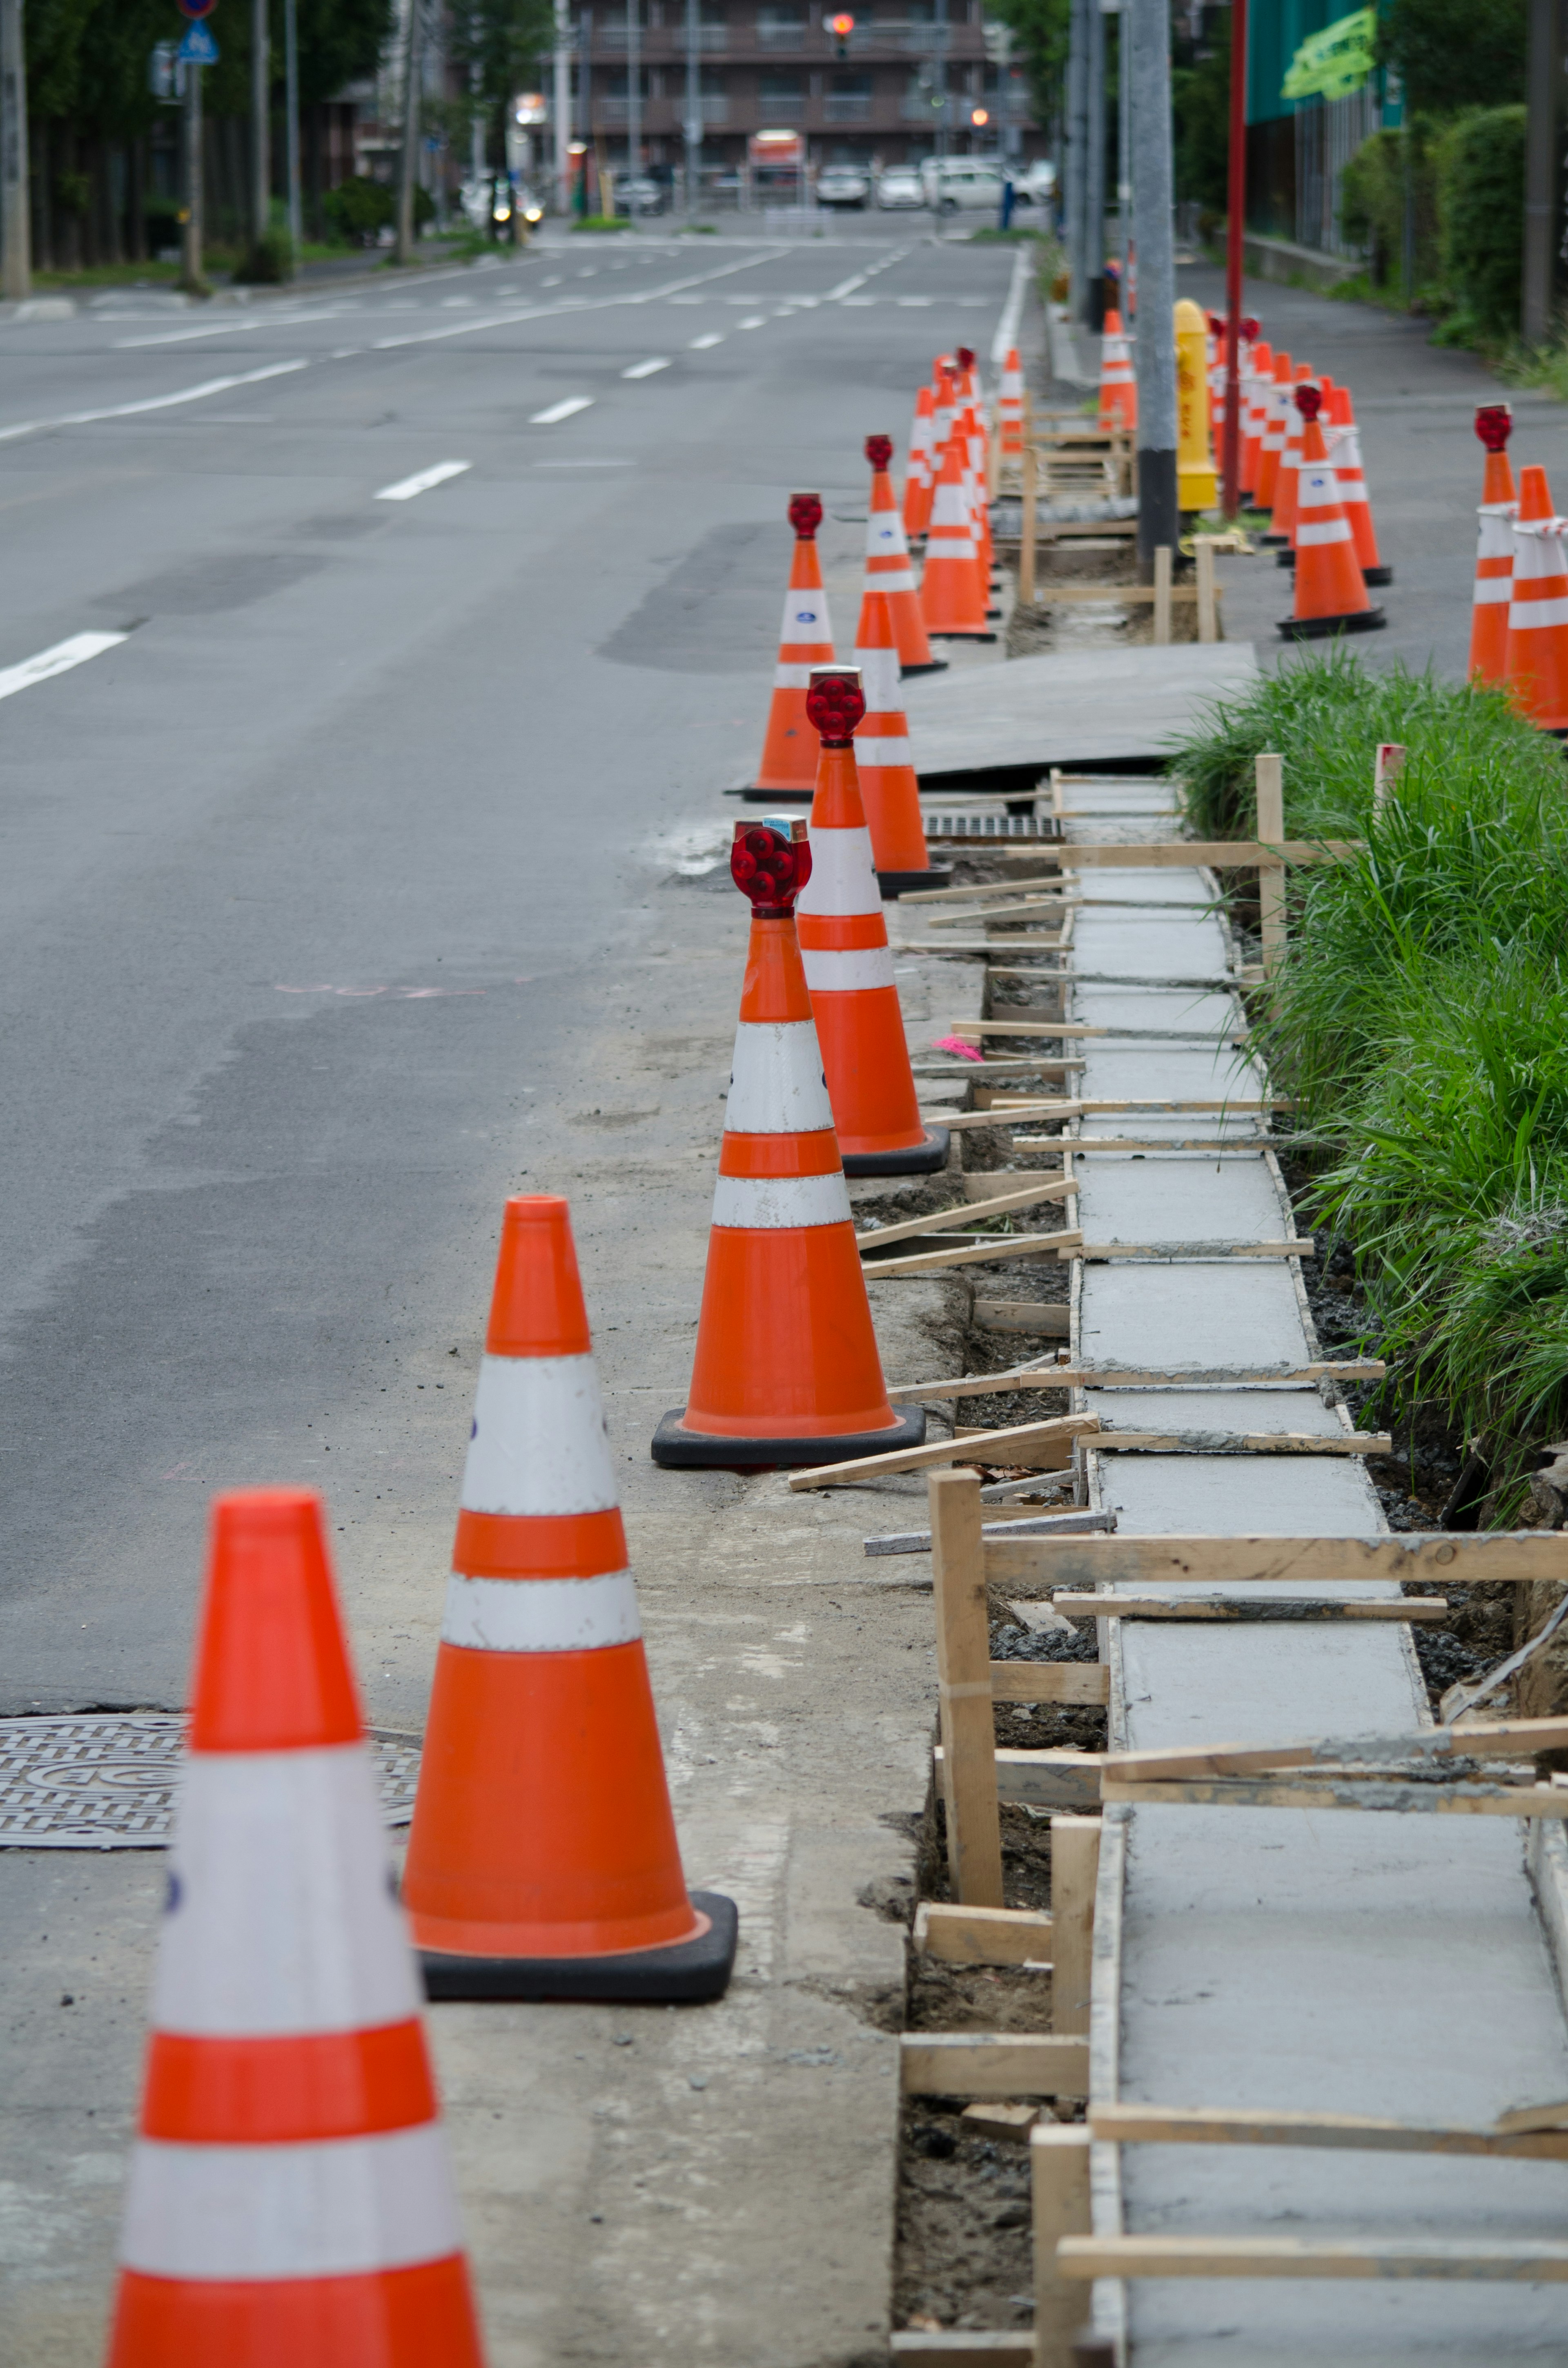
(1197, 487)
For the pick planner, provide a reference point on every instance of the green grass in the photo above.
(1420, 1016)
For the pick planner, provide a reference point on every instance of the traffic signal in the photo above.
(841, 27)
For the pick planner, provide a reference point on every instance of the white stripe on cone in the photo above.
(540, 1443)
(776, 1085)
(871, 754)
(1527, 616)
(845, 971)
(278, 1919)
(774, 1204)
(900, 579)
(879, 680)
(791, 677)
(844, 875)
(1490, 590)
(341, 2207)
(806, 618)
(541, 1615)
(1333, 530)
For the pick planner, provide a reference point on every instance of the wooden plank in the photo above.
(1185, 1253)
(902, 1541)
(1054, 1187)
(962, 2346)
(1428, 1557)
(1245, 1442)
(977, 1448)
(1208, 854)
(983, 1936)
(1028, 525)
(1080, 1030)
(1270, 778)
(1049, 1681)
(981, 1186)
(982, 2063)
(1416, 1608)
(963, 1689)
(1077, 595)
(1012, 2123)
(1091, 1377)
(1369, 1793)
(959, 1121)
(1508, 1738)
(1521, 2119)
(1049, 1319)
(1208, 598)
(1042, 1779)
(1528, 2263)
(1058, 2181)
(1020, 911)
(1075, 1871)
(1006, 1246)
(1162, 589)
(1013, 1065)
(978, 889)
(1250, 2125)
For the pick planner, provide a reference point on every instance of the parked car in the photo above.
(639, 195)
(1036, 186)
(900, 186)
(842, 184)
(966, 184)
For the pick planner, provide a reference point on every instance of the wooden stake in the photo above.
(1075, 1869)
(1208, 610)
(986, 1936)
(1163, 596)
(1059, 2173)
(1027, 534)
(1050, 1188)
(1270, 773)
(992, 2064)
(963, 1683)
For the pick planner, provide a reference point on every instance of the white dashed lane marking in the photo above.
(646, 369)
(562, 410)
(406, 488)
(58, 660)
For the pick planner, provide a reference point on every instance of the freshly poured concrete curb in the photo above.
(1359, 1963)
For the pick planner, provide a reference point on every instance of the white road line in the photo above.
(581, 303)
(572, 404)
(1007, 327)
(58, 660)
(845, 287)
(915, 300)
(406, 488)
(233, 328)
(646, 369)
(153, 403)
(757, 322)
(702, 344)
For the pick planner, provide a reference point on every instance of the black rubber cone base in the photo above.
(904, 883)
(1271, 540)
(691, 1971)
(1317, 629)
(680, 1449)
(1377, 575)
(756, 797)
(932, 665)
(941, 633)
(920, 1159)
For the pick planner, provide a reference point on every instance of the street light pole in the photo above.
(1235, 232)
(260, 127)
(562, 105)
(633, 103)
(291, 105)
(190, 277)
(1153, 229)
(1076, 191)
(693, 108)
(408, 162)
(940, 57)
(1092, 308)
(15, 239)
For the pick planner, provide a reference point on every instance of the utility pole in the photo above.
(1153, 232)
(16, 230)
(1543, 143)
(409, 160)
(939, 58)
(291, 136)
(562, 105)
(190, 278)
(693, 108)
(1235, 234)
(633, 102)
(1077, 161)
(260, 129)
(1093, 305)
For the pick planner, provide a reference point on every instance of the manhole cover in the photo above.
(108, 1782)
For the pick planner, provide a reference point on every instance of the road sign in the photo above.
(198, 48)
(197, 7)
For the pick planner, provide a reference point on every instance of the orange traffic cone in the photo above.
(887, 567)
(289, 2197)
(1276, 424)
(1260, 380)
(543, 1861)
(1010, 405)
(787, 1370)
(1282, 525)
(1345, 450)
(848, 962)
(1330, 595)
(1495, 558)
(1118, 383)
(920, 476)
(1537, 655)
(788, 751)
(889, 789)
(952, 591)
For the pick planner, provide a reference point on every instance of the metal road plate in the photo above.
(1002, 826)
(107, 1782)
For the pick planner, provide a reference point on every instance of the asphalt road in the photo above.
(305, 884)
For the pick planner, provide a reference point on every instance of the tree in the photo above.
(494, 44)
(1201, 106)
(1457, 53)
(1043, 28)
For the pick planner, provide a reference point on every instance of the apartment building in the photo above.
(882, 92)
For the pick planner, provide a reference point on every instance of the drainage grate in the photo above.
(982, 825)
(108, 1782)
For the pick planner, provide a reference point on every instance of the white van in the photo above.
(967, 184)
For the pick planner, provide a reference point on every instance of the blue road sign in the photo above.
(198, 48)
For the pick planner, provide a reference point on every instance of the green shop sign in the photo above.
(1335, 62)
